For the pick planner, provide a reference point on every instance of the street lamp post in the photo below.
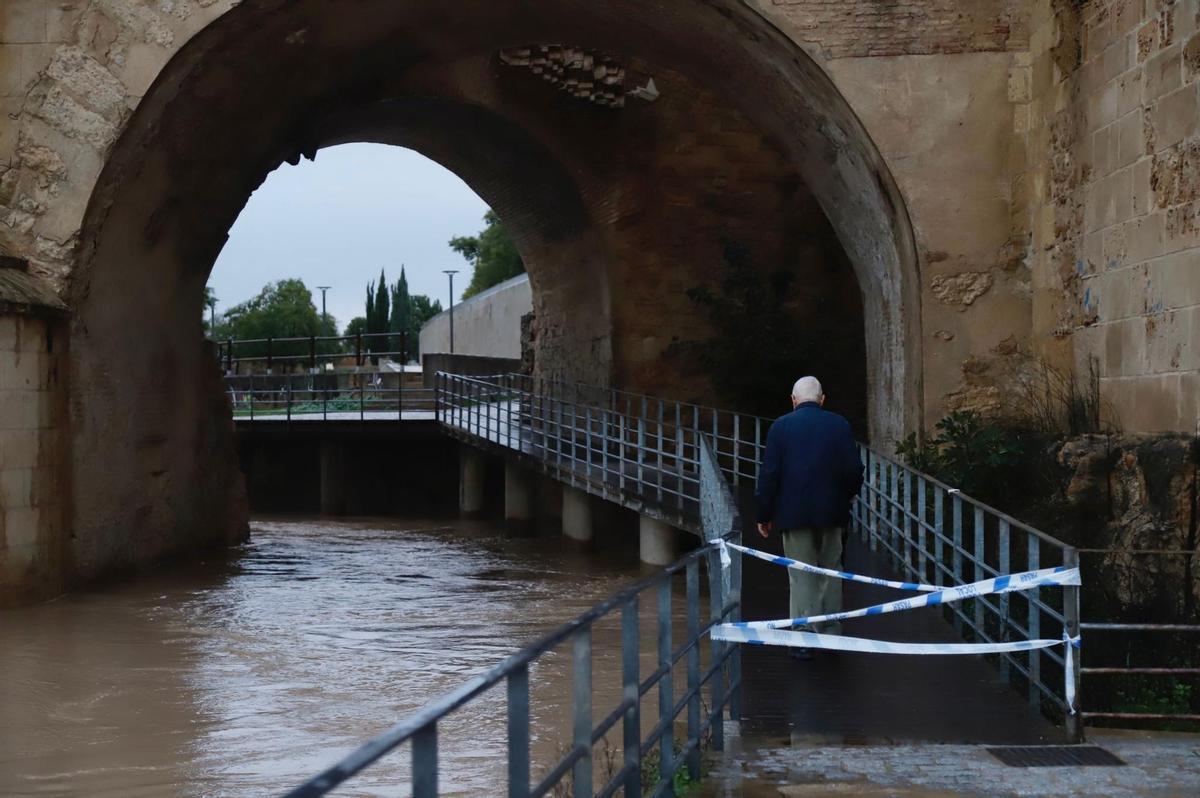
(324, 315)
(450, 273)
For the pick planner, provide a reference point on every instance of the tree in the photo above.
(377, 314)
(210, 302)
(401, 321)
(283, 309)
(357, 326)
(492, 254)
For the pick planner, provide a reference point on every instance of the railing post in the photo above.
(312, 354)
(268, 355)
(425, 762)
(908, 523)
(1003, 565)
(980, 557)
(679, 457)
(1034, 622)
(693, 667)
(666, 699)
(630, 677)
(716, 607)
(229, 356)
(362, 399)
(288, 399)
(956, 520)
(518, 733)
(735, 659)
(582, 702)
(1074, 721)
(358, 350)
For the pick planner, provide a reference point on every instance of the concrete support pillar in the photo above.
(518, 495)
(470, 481)
(333, 478)
(656, 542)
(576, 514)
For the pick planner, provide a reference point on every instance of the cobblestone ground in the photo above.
(1157, 765)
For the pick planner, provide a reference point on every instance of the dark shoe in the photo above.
(800, 653)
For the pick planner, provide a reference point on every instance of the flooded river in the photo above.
(241, 676)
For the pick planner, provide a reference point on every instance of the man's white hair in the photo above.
(807, 389)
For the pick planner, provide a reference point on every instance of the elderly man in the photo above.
(810, 474)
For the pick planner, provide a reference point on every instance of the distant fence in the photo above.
(312, 352)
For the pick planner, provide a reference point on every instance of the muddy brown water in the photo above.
(242, 675)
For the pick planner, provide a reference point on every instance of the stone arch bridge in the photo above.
(958, 189)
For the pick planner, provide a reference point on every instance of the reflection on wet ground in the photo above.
(240, 676)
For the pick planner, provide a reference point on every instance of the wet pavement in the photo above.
(1158, 765)
(876, 698)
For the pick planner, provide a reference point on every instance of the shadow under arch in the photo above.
(272, 80)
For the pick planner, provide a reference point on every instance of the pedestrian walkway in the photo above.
(875, 698)
(1158, 765)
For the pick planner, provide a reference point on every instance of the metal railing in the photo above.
(721, 677)
(605, 440)
(319, 397)
(639, 451)
(309, 352)
(935, 534)
(1134, 652)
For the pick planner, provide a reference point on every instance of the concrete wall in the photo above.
(488, 324)
(33, 457)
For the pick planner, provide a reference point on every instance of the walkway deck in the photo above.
(853, 698)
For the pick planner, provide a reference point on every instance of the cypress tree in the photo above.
(381, 313)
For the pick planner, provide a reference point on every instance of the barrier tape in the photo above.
(1026, 580)
(777, 633)
(797, 565)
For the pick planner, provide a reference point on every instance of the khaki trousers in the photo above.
(812, 594)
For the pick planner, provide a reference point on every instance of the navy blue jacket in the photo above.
(810, 472)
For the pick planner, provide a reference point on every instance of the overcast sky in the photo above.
(337, 220)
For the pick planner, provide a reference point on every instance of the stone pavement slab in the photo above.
(1157, 764)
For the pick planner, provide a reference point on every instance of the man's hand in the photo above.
(765, 529)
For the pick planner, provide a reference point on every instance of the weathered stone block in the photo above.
(18, 448)
(22, 527)
(1174, 117)
(19, 409)
(1162, 74)
(1131, 144)
(16, 488)
(23, 21)
(8, 335)
(1143, 193)
(1125, 348)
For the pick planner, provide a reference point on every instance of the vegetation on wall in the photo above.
(492, 254)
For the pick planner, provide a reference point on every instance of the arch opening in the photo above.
(617, 211)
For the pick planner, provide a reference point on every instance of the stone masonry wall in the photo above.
(1115, 181)
(32, 457)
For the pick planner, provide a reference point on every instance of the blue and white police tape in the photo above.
(1026, 580)
(739, 633)
(797, 565)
